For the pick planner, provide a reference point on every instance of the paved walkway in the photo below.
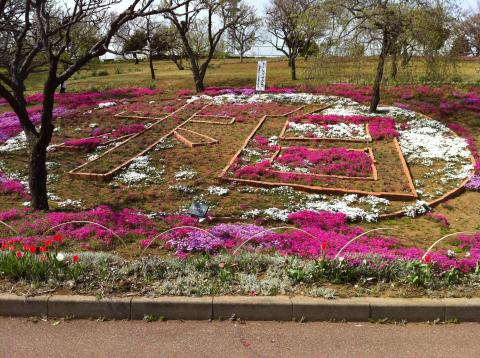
(82, 338)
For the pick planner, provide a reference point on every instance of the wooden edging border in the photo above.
(252, 308)
(369, 150)
(231, 119)
(257, 127)
(191, 144)
(109, 175)
(447, 196)
(316, 189)
(125, 116)
(308, 188)
(326, 139)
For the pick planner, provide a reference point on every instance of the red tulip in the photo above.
(11, 248)
(11, 242)
(4, 245)
(32, 249)
(427, 259)
(324, 246)
(48, 243)
(43, 248)
(75, 258)
(57, 238)
(19, 254)
(25, 247)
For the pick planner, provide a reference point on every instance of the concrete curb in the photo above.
(276, 308)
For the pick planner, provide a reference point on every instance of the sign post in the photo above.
(261, 76)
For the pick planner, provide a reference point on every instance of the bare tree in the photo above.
(381, 22)
(138, 37)
(471, 30)
(246, 32)
(39, 32)
(201, 25)
(168, 43)
(293, 24)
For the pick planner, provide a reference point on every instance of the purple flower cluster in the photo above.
(474, 183)
(10, 125)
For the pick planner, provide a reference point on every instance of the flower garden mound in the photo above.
(247, 156)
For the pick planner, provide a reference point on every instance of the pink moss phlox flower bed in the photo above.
(83, 99)
(474, 183)
(8, 186)
(90, 144)
(127, 223)
(254, 171)
(327, 234)
(333, 161)
(383, 128)
(439, 218)
(361, 94)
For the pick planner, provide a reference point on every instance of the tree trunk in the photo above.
(198, 78)
(152, 69)
(293, 68)
(394, 68)
(379, 76)
(37, 179)
(135, 57)
(241, 57)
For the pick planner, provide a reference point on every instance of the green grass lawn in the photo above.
(232, 73)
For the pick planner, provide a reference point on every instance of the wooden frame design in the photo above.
(184, 140)
(309, 188)
(285, 127)
(230, 119)
(368, 150)
(109, 175)
(125, 116)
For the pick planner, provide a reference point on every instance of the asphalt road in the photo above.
(83, 338)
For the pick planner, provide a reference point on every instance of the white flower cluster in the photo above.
(366, 208)
(69, 203)
(106, 105)
(347, 205)
(274, 214)
(183, 189)
(217, 190)
(340, 130)
(141, 171)
(306, 98)
(15, 143)
(185, 174)
(420, 207)
(426, 140)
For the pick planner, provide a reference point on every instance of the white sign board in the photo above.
(261, 75)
